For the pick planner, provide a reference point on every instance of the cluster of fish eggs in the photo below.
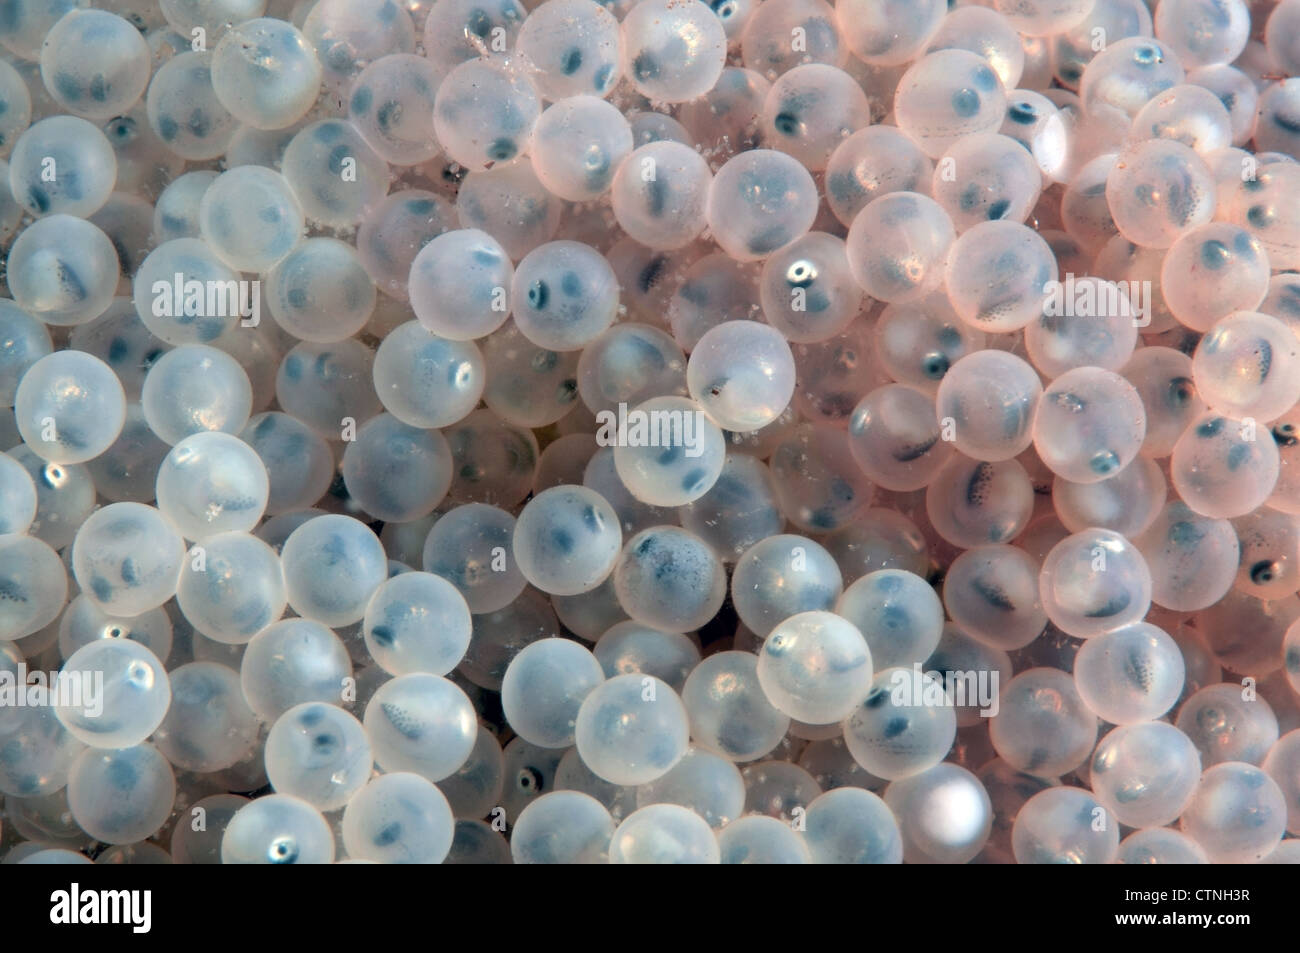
(340, 333)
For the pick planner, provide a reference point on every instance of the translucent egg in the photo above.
(748, 396)
(629, 363)
(1129, 675)
(1145, 773)
(212, 483)
(39, 751)
(992, 593)
(112, 693)
(781, 576)
(484, 114)
(347, 35)
(231, 587)
(896, 438)
(807, 289)
(1270, 544)
(897, 246)
(1201, 32)
(703, 781)
(1000, 181)
(193, 390)
(891, 33)
(1245, 366)
(250, 193)
(897, 613)
(944, 814)
(673, 51)
(1227, 725)
(62, 270)
(62, 165)
(917, 343)
(972, 502)
(728, 711)
(811, 109)
(209, 726)
(460, 284)
(184, 111)
(574, 46)
(664, 833)
(1163, 380)
(1093, 582)
(819, 485)
(510, 202)
(577, 145)
(1282, 764)
(566, 540)
(18, 493)
(265, 72)
(189, 846)
(669, 578)
(291, 662)
(632, 729)
(319, 753)
(1042, 726)
(334, 174)
(761, 840)
(127, 558)
(17, 114)
(562, 827)
(1063, 825)
(391, 105)
(474, 789)
(815, 667)
(627, 647)
(332, 566)
(738, 511)
(299, 463)
(850, 825)
(1167, 177)
(667, 452)
(277, 829)
(1128, 74)
(1090, 322)
(1160, 845)
(421, 723)
(870, 163)
(121, 796)
(459, 30)
(471, 547)
(946, 95)
(1220, 469)
(897, 731)
(658, 193)
(759, 202)
(69, 407)
(564, 295)
(396, 472)
(416, 623)
(1090, 424)
(1237, 814)
(543, 688)
(95, 64)
(996, 275)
